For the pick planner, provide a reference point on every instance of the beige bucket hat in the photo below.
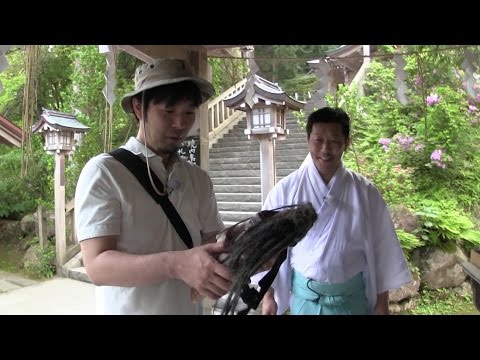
(163, 72)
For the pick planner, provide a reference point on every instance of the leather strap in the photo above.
(138, 168)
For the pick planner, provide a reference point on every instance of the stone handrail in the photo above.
(303, 96)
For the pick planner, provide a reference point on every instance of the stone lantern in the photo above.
(265, 104)
(62, 132)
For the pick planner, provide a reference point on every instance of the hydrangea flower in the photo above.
(432, 99)
(385, 142)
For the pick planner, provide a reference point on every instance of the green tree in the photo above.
(227, 72)
(13, 80)
(284, 63)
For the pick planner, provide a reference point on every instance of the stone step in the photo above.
(229, 160)
(74, 269)
(251, 147)
(252, 166)
(10, 281)
(248, 173)
(234, 173)
(284, 172)
(284, 156)
(253, 180)
(235, 166)
(233, 197)
(225, 154)
(280, 152)
(241, 206)
(79, 273)
(240, 148)
(235, 143)
(288, 164)
(237, 216)
(236, 188)
(237, 197)
(295, 135)
(243, 141)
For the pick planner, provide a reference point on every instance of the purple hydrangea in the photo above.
(436, 158)
(385, 142)
(436, 155)
(419, 147)
(432, 99)
(404, 141)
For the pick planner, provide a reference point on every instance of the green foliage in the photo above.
(443, 224)
(18, 195)
(300, 84)
(443, 302)
(393, 181)
(92, 109)
(420, 150)
(408, 241)
(448, 127)
(301, 118)
(226, 73)
(277, 63)
(365, 155)
(13, 80)
(11, 256)
(54, 77)
(43, 266)
(91, 145)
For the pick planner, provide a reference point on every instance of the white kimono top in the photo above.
(354, 233)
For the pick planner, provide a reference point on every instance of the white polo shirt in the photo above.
(109, 200)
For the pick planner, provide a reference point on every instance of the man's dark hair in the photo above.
(172, 94)
(329, 115)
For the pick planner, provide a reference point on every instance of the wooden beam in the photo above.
(147, 53)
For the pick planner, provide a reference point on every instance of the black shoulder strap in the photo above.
(252, 297)
(138, 168)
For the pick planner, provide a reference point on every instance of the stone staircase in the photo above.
(74, 269)
(235, 168)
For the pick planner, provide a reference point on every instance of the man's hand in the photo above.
(199, 268)
(381, 307)
(269, 305)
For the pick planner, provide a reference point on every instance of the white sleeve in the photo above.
(97, 204)
(391, 269)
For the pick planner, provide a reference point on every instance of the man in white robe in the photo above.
(353, 239)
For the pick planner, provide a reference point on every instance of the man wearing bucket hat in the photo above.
(130, 247)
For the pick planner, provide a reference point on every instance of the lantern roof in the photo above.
(59, 121)
(263, 90)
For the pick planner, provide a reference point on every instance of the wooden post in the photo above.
(267, 165)
(42, 227)
(366, 54)
(60, 236)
